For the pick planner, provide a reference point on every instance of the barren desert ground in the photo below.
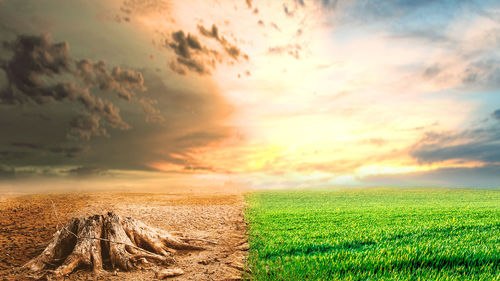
(28, 222)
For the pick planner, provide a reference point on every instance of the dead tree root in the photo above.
(108, 240)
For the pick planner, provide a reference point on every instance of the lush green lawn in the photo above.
(374, 234)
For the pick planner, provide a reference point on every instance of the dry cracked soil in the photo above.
(28, 222)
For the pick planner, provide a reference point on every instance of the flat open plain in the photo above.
(28, 222)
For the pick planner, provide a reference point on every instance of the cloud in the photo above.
(496, 114)
(191, 55)
(427, 34)
(369, 11)
(477, 177)
(191, 64)
(184, 45)
(85, 126)
(123, 82)
(432, 71)
(275, 26)
(287, 10)
(131, 8)
(35, 57)
(232, 50)
(467, 65)
(7, 155)
(152, 113)
(26, 145)
(481, 144)
(193, 121)
(87, 171)
(7, 172)
(70, 151)
(291, 49)
(59, 102)
(25, 172)
(301, 2)
(484, 73)
(213, 32)
(42, 72)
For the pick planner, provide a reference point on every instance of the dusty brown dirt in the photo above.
(28, 222)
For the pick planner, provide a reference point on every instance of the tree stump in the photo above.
(109, 239)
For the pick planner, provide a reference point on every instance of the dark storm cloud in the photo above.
(12, 155)
(70, 151)
(35, 57)
(190, 52)
(194, 121)
(29, 147)
(7, 172)
(85, 126)
(474, 151)
(482, 144)
(188, 49)
(123, 82)
(54, 103)
(42, 72)
(194, 65)
(12, 172)
(193, 117)
(478, 177)
(184, 45)
(232, 50)
(26, 145)
(87, 171)
(191, 55)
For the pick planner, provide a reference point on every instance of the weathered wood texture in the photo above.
(111, 240)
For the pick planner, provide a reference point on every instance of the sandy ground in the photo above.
(27, 223)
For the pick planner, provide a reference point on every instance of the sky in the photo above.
(254, 94)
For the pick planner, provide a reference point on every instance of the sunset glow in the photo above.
(275, 93)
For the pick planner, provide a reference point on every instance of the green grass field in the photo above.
(374, 234)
